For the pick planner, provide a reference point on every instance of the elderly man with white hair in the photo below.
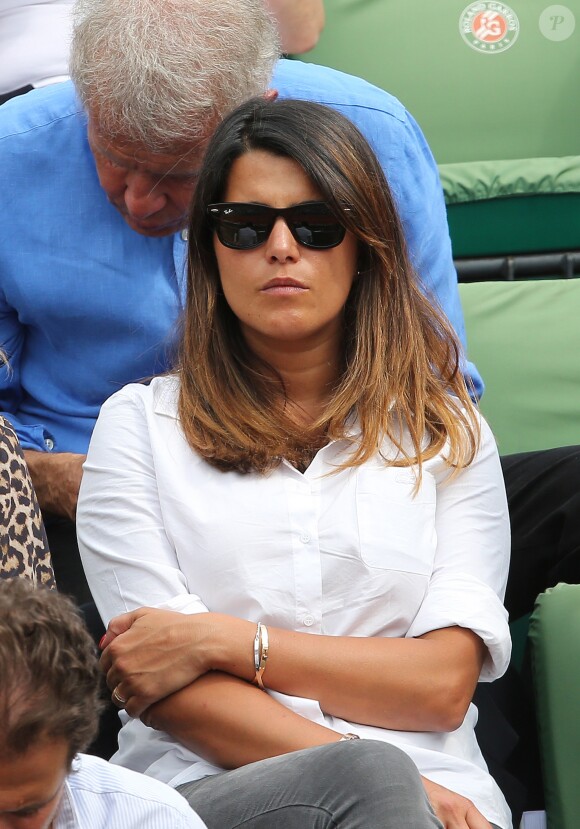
(97, 179)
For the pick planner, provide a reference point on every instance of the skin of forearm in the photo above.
(231, 723)
(423, 684)
(56, 478)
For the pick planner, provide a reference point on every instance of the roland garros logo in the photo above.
(489, 27)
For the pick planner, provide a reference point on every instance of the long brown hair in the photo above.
(401, 365)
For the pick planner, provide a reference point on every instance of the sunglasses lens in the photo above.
(245, 226)
(314, 226)
(318, 232)
(241, 230)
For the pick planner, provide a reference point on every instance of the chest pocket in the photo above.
(396, 527)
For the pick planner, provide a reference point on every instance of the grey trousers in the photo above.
(358, 784)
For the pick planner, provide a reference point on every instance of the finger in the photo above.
(136, 707)
(132, 705)
(117, 697)
(106, 661)
(146, 717)
(117, 626)
(113, 674)
(134, 700)
(106, 639)
(122, 623)
(112, 680)
(475, 820)
(451, 818)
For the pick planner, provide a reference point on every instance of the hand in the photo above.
(453, 810)
(57, 479)
(149, 654)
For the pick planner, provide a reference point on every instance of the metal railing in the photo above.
(564, 265)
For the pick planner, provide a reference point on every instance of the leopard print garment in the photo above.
(23, 544)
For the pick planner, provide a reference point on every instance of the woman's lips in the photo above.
(284, 285)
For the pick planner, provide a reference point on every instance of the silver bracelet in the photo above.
(349, 736)
(260, 653)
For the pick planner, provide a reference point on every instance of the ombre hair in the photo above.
(400, 377)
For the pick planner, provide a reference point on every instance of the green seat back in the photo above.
(472, 106)
(555, 644)
(525, 339)
(510, 207)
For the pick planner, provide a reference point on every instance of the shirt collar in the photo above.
(67, 816)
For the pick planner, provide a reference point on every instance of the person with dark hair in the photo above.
(304, 525)
(24, 549)
(49, 708)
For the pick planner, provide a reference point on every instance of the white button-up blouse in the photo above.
(354, 553)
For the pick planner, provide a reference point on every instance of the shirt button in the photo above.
(308, 621)
(49, 443)
(305, 538)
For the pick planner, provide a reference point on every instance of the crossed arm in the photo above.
(190, 676)
(423, 684)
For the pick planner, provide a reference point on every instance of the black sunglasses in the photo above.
(244, 226)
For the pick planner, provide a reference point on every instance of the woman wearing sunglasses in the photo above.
(306, 521)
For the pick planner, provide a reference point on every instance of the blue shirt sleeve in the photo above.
(31, 436)
(86, 304)
(417, 190)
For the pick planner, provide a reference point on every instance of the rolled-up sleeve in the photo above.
(468, 582)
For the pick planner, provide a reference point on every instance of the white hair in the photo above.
(162, 73)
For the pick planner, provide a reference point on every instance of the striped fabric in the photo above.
(99, 795)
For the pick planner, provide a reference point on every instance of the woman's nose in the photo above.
(281, 245)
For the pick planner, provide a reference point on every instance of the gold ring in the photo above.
(118, 699)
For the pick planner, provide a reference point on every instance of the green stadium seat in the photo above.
(514, 106)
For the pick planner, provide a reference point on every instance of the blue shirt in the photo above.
(88, 305)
